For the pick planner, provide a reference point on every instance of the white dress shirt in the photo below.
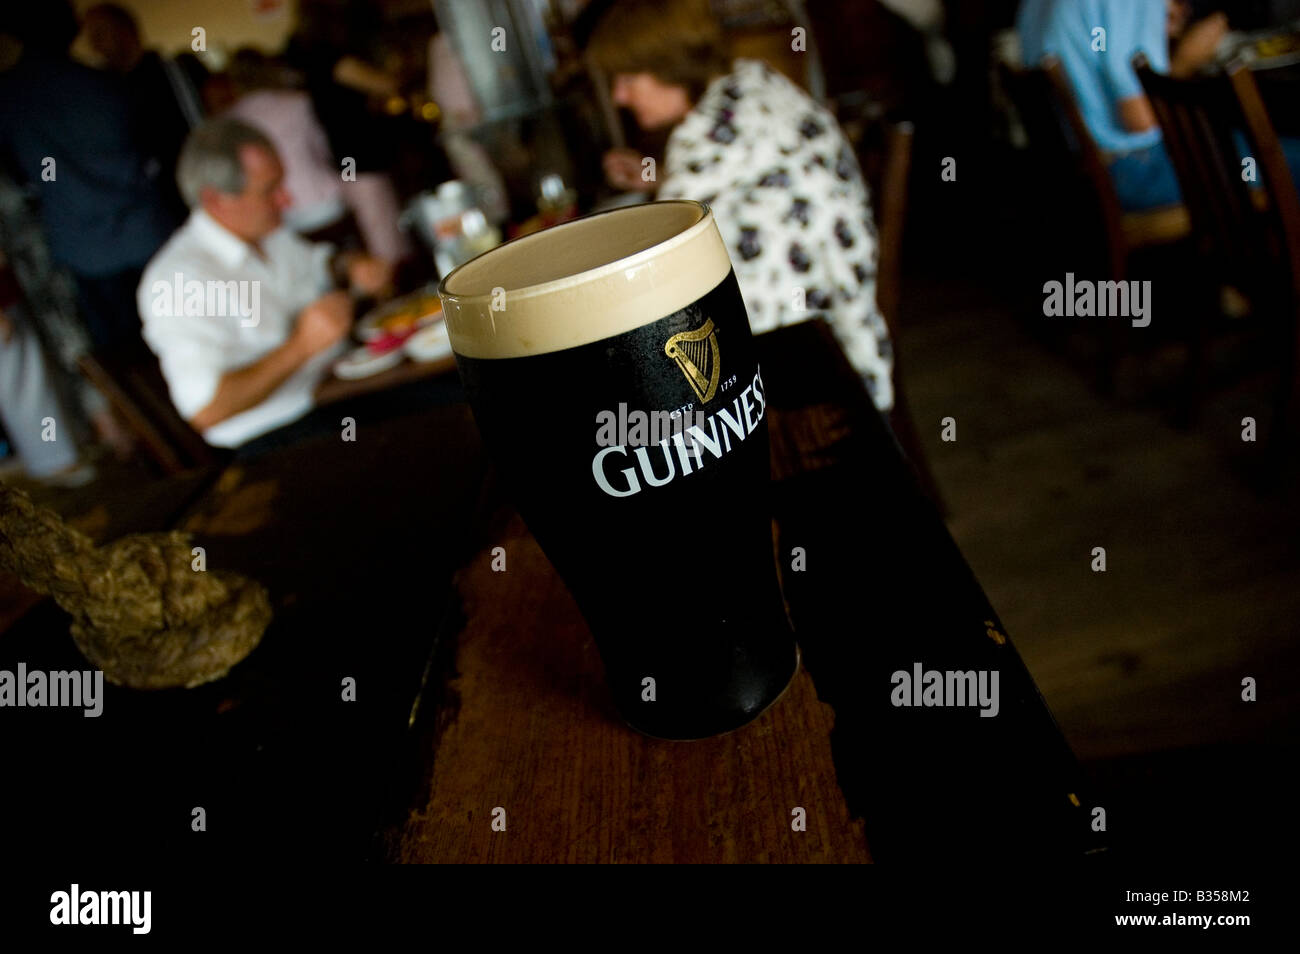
(200, 330)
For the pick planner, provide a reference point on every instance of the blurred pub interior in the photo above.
(1070, 432)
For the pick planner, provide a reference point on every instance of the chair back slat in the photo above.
(1045, 103)
(1282, 192)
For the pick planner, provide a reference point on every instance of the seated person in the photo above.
(1108, 92)
(781, 178)
(245, 316)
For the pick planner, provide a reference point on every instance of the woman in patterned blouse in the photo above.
(774, 166)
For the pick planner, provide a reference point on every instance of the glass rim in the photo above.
(550, 286)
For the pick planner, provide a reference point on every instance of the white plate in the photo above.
(362, 363)
(429, 344)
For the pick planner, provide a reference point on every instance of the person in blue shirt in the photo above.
(1108, 92)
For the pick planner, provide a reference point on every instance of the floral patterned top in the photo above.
(790, 202)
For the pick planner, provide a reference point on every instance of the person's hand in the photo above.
(323, 323)
(369, 275)
(1198, 44)
(623, 170)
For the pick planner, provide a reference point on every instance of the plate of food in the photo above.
(367, 360)
(400, 317)
(429, 343)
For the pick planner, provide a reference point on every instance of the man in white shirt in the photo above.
(245, 316)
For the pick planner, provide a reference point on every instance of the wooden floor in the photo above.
(1202, 580)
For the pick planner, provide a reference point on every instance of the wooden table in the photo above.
(356, 543)
(478, 690)
(515, 716)
(332, 389)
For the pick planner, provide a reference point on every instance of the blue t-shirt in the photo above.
(1100, 78)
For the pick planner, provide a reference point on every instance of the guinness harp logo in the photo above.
(696, 353)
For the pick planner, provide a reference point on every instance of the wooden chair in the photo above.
(133, 383)
(1248, 238)
(1045, 102)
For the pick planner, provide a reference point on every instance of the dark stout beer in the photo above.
(666, 546)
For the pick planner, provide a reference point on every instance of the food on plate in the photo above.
(401, 317)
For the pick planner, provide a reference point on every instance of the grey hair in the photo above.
(210, 157)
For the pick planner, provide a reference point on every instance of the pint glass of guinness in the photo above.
(609, 365)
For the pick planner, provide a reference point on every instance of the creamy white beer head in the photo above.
(585, 280)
